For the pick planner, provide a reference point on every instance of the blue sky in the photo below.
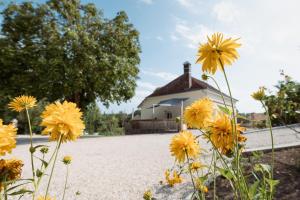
(171, 30)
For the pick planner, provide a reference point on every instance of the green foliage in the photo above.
(92, 117)
(284, 106)
(63, 49)
(103, 124)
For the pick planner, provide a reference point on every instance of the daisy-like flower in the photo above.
(259, 94)
(198, 115)
(194, 166)
(176, 179)
(62, 119)
(11, 169)
(7, 138)
(45, 198)
(221, 134)
(67, 160)
(217, 53)
(184, 144)
(147, 195)
(22, 102)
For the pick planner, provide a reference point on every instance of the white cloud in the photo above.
(146, 85)
(225, 11)
(166, 76)
(186, 3)
(147, 1)
(193, 6)
(191, 34)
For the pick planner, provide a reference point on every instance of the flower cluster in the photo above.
(175, 179)
(63, 121)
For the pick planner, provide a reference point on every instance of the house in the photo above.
(169, 101)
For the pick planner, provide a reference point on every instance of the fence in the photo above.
(150, 126)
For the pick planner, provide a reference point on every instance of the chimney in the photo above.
(187, 71)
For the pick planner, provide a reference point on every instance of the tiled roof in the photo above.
(180, 85)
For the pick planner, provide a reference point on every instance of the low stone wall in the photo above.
(150, 126)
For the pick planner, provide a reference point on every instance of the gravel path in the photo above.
(122, 168)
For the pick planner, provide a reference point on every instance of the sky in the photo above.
(171, 31)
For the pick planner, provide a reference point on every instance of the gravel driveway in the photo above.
(122, 168)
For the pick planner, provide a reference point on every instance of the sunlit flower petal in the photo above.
(184, 143)
(217, 53)
(20, 103)
(62, 119)
(7, 138)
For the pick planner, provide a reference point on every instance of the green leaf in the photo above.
(272, 183)
(225, 110)
(262, 168)
(45, 163)
(16, 186)
(22, 191)
(253, 189)
(257, 154)
(18, 180)
(228, 174)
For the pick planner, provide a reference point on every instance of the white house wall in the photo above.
(160, 112)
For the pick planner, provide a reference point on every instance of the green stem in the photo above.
(46, 167)
(66, 181)
(31, 153)
(272, 141)
(190, 172)
(53, 166)
(271, 133)
(214, 174)
(233, 125)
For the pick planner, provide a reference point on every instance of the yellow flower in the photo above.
(184, 143)
(199, 113)
(194, 166)
(259, 95)
(67, 160)
(7, 138)
(45, 198)
(147, 195)
(11, 169)
(217, 53)
(221, 134)
(22, 102)
(200, 186)
(172, 180)
(62, 119)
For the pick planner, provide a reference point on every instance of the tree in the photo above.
(92, 118)
(284, 106)
(63, 49)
